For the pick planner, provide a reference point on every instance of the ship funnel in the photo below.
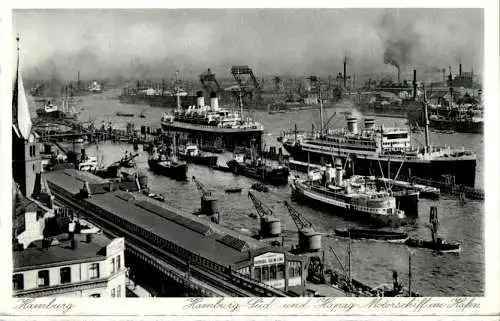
(352, 125)
(369, 123)
(214, 101)
(200, 100)
(338, 171)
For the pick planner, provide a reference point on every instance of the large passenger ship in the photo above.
(211, 123)
(382, 151)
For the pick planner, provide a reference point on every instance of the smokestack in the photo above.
(200, 100)
(214, 101)
(460, 69)
(369, 123)
(345, 71)
(414, 84)
(399, 75)
(352, 125)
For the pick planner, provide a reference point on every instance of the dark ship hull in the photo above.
(230, 138)
(278, 176)
(175, 170)
(372, 234)
(436, 246)
(52, 114)
(157, 101)
(463, 169)
(206, 160)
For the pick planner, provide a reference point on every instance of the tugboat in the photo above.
(191, 154)
(437, 244)
(347, 197)
(258, 169)
(163, 162)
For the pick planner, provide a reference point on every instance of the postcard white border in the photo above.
(157, 306)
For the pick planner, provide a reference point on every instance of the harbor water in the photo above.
(433, 274)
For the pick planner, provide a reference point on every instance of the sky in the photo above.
(153, 43)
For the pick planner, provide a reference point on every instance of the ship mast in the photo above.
(426, 128)
(320, 107)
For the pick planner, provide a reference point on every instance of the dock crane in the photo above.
(309, 239)
(270, 225)
(208, 200)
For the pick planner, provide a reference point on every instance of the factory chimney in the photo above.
(345, 71)
(399, 75)
(414, 84)
(460, 69)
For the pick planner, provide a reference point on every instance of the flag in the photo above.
(20, 109)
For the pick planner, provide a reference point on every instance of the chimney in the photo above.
(399, 75)
(200, 100)
(460, 69)
(352, 125)
(214, 101)
(369, 123)
(345, 71)
(414, 84)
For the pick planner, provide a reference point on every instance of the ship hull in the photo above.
(200, 160)
(463, 169)
(441, 247)
(343, 209)
(178, 171)
(274, 176)
(372, 235)
(207, 135)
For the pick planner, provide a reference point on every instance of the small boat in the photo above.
(438, 245)
(260, 187)
(233, 190)
(161, 163)
(123, 114)
(191, 154)
(372, 234)
(253, 215)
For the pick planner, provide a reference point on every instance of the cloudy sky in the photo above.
(154, 43)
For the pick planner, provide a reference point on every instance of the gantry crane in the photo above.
(309, 239)
(249, 90)
(270, 225)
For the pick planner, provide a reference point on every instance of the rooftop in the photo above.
(60, 252)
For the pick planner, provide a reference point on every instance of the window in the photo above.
(18, 281)
(65, 273)
(113, 291)
(43, 278)
(281, 272)
(272, 272)
(257, 274)
(119, 291)
(94, 271)
(118, 263)
(265, 273)
(113, 265)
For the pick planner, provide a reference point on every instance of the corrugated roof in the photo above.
(234, 242)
